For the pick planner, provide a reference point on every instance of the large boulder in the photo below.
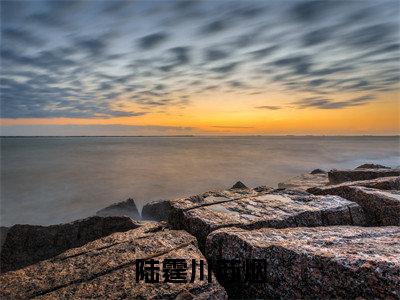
(106, 269)
(124, 208)
(380, 207)
(202, 214)
(27, 244)
(339, 176)
(156, 210)
(344, 262)
(305, 181)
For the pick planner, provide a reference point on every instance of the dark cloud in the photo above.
(213, 54)
(261, 53)
(309, 11)
(116, 6)
(22, 36)
(214, 27)
(374, 35)
(324, 103)
(318, 36)
(152, 40)
(269, 107)
(47, 20)
(95, 46)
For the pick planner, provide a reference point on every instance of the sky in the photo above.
(200, 67)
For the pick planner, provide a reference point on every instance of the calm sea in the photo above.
(52, 180)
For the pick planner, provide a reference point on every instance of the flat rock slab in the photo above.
(382, 183)
(305, 181)
(28, 244)
(380, 207)
(321, 262)
(106, 269)
(339, 176)
(202, 214)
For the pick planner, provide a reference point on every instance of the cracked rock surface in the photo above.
(105, 268)
(381, 207)
(27, 244)
(202, 214)
(321, 262)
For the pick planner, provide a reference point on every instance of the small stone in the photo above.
(318, 171)
(239, 185)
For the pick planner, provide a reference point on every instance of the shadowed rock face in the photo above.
(125, 208)
(305, 181)
(318, 171)
(321, 262)
(27, 244)
(157, 210)
(106, 269)
(372, 166)
(339, 176)
(202, 214)
(380, 207)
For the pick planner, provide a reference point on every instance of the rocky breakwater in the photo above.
(306, 233)
(251, 209)
(106, 269)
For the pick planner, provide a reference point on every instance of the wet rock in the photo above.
(372, 166)
(239, 185)
(157, 210)
(106, 269)
(318, 171)
(28, 244)
(125, 208)
(344, 262)
(305, 181)
(380, 207)
(202, 214)
(339, 176)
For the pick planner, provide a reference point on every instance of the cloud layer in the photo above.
(104, 59)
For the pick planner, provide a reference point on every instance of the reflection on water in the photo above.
(52, 180)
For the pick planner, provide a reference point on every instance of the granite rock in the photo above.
(339, 176)
(305, 181)
(106, 269)
(202, 214)
(27, 244)
(380, 207)
(125, 208)
(344, 262)
(156, 210)
(372, 166)
(382, 183)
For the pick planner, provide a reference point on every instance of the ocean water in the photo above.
(52, 180)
